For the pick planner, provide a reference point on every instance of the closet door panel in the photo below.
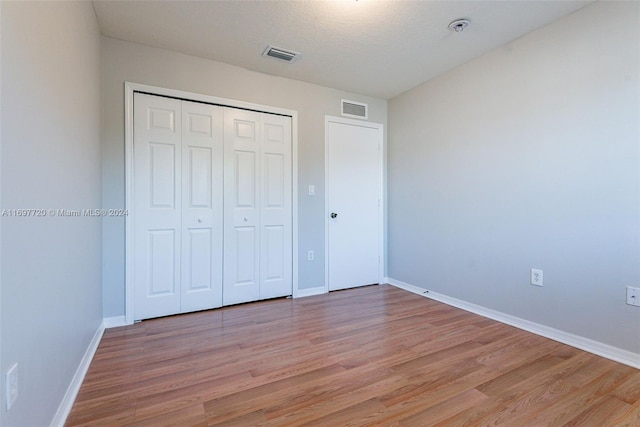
(157, 205)
(241, 206)
(275, 207)
(202, 233)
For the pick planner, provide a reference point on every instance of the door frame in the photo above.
(380, 128)
(129, 89)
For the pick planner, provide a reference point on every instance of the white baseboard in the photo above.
(319, 290)
(114, 322)
(586, 344)
(72, 391)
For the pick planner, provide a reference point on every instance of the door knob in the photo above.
(199, 219)
(333, 214)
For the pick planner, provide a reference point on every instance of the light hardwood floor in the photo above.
(374, 356)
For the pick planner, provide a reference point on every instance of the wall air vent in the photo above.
(354, 109)
(281, 54)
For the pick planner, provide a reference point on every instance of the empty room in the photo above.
(320, 213)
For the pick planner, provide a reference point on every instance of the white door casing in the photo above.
(354, 218)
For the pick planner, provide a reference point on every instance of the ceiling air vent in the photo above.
(354, 109)
(281, 54)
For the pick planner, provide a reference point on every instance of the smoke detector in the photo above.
(459, 25)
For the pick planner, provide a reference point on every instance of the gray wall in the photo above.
(123, 61)
(527, 157)
(51, 270)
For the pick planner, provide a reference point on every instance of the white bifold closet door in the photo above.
(257, 199)
(178, 184)
(212, 202)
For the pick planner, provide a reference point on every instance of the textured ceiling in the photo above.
(376, 48)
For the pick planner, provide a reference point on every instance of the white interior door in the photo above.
(354, 205)
(257, 200)
(177, 200)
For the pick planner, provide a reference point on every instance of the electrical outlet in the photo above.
(536, 277)
(633, 296)
(11, 382)
(310, 256)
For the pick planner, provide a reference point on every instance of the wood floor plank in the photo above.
(336, 406)
(630, 418)
(244, 402)
(514, 397)
(190, 415)
(370, 356)
(629, 390)
(518, 375)
(443, 410)
(566, 396)
(600, 412)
